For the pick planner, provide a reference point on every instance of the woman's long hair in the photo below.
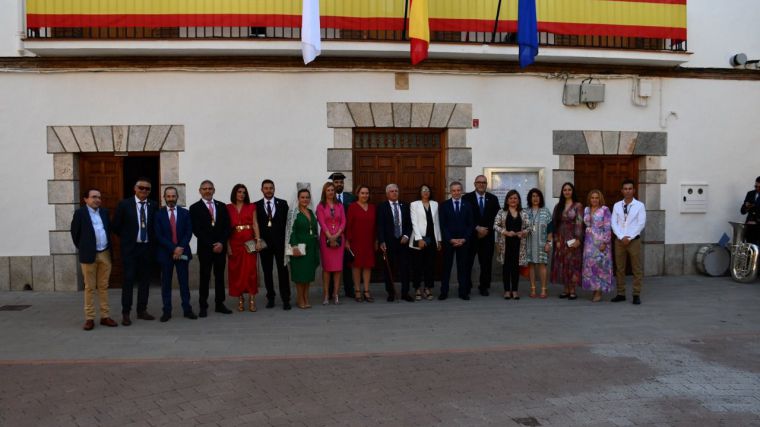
(323, 199)
(233, 194)
(560, 208)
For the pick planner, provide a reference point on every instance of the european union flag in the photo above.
(527, 31)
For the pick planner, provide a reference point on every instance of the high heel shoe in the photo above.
(543, 293)
(326, 301)
(335, 299)
(241, 304)
(252, 304)
(533, 291)
(368, 297)
(357, 295)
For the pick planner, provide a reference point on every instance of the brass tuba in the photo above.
(744, 256)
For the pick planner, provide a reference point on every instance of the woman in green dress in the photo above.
(302, 230)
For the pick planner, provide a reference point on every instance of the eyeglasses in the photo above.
(207, 188)
(143, 188)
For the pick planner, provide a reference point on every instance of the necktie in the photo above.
(143, 224)
(340, 198)
(456, 207)
(396, 221)
(482, 205)
(211, 211)
(173, 223)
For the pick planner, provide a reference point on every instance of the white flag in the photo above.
(311, 40)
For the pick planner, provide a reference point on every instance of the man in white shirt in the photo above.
(629, 217)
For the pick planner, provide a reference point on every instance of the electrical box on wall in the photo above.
(576, 94)
(694, 198)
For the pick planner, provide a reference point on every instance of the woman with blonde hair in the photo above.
(597, 255)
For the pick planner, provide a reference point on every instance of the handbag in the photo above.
(338, 242)
(348, 255)
(250, 245)
(301, 248)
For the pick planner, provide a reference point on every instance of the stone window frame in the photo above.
(453, 118)
(651, 147)
(60, 270)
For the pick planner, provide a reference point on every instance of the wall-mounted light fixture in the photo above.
(740, 60)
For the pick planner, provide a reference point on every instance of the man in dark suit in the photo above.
(484, 206)
(134, 223)
(394, 226)
(90, 228)
(457, 226)
(173, 233)
(751, 208)
(272, 216)
(211, 226)
(345, 198)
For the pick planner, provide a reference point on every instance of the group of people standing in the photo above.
(343, 234)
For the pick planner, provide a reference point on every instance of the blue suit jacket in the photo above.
(456, 226)
(165, 247)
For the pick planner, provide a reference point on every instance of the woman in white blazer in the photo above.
(426, 240)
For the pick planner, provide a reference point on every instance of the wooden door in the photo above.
(406, 158)
(605, 173)
(105, 172)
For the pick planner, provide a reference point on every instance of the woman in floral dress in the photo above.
(568, 242)
(597, 254)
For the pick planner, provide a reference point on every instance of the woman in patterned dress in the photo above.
(332, 223)
(568, 241)
(539, 240)
(597, 254)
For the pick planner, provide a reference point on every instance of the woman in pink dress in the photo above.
(360, 239)
(332, 223)
(241, 265)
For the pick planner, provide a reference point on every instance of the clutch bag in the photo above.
(301, 248)
(250, 245)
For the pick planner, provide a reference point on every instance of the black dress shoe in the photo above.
(636, 300)
(220, 308)
(190, 315)
(125, 319)
(407, 298)
(203, 312)
(464, 297)
(144, 315)
(286, 306)
(270, 303)
(165, 317)
(484, 292)
(442, 297)
(618, 298)
(563, 295)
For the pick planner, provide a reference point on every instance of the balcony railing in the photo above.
(630, 24)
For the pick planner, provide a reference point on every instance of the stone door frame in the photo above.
(455, 119)
(60, 271)
(651, 147)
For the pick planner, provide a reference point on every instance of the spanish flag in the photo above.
(419, 30)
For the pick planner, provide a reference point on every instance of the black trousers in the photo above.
(424, 266)
(136, 268)
(511, 268)
(463, 271)
(483, 249)
(398, 261)
(275, 256)
(217, 262)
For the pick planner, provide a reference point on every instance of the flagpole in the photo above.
(496, 22)
(406, 16)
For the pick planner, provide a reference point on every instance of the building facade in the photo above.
(81, 110)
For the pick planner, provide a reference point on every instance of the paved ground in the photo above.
(690, 355)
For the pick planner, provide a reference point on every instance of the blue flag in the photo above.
(527, 32)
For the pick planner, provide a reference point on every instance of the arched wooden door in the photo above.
(408, 158)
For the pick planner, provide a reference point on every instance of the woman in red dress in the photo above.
(242, 266)
(360, 239)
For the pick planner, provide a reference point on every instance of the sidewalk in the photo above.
(690, 352)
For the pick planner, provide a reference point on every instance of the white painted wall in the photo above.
(243, 127)
(717, 31)
(10, 25)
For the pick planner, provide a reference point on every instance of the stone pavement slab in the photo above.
(689, 355)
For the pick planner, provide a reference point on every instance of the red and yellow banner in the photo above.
(627, 18)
